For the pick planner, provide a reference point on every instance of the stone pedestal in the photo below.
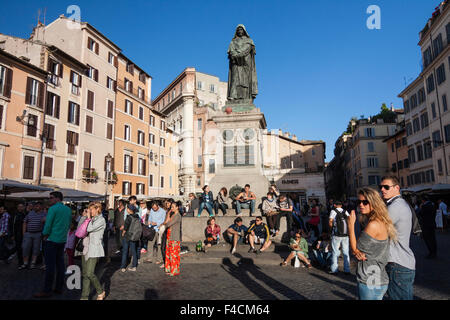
(238, 156)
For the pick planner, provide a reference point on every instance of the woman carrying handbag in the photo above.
(92, 249)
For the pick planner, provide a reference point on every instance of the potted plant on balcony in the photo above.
(94, 176)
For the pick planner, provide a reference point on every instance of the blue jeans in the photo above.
(375, 293)
(336, 243)
(401, 282)
(135, 252)
(54, 262)
(208, 207)
(246, 204)
(322, 257)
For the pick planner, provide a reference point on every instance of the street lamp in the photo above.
(108, 160)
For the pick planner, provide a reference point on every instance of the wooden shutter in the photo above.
(71, 76)
(112, 164)
(79, 80)
(125, 163)
(41, 95)
(76, 138)
(77, 120)
(90, 100)
(131, 87)
(50, 65)
(51, 136)
(69, 170)
(49, 106)
(89, 122)
(8, 83)
(145, 167)
(69, 137)
(87, 160)
(131, 188)
(123, 187)
(110, 109)
(97, 47)
(131, 108)
(48, 165)
(143, 188)
(131, 164)
(28, 167)
(28, 91)
(116, 62)
(109, 131)
(96, 75)
(1, 115)
(56, 111)
(69, 113)
(61, 68)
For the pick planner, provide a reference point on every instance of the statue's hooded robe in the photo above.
(242, 81)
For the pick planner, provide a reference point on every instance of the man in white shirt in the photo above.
(339, 237)
(444, 212)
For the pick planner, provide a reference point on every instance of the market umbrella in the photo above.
(70, 195)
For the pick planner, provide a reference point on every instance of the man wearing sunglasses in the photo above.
(402, 264)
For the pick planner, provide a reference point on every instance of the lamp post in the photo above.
(150, 158)
(108, 160)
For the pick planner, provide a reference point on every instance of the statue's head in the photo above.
(241, 32)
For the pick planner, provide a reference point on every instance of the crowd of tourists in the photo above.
(376, 229)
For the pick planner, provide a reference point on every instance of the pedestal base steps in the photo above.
(193, 228)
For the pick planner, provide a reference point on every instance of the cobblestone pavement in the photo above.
(240, 277)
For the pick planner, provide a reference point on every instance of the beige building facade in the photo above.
(426, 106)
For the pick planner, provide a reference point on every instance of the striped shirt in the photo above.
(34, 221)
(4, 223)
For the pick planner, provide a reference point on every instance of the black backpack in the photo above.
(341, 229)
(135, 230)
(148, 232)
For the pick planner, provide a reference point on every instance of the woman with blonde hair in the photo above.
(372, 247)
(93, 250)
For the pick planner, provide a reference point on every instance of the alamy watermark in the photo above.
(74, 15)
(374, 20)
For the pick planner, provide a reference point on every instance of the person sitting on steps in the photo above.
(299, 248)
(221, 202)
(259, 234)
(206, 201)
(236, 233)
(245, 199)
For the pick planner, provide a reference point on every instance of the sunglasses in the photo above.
(385, 186)
(364, 202)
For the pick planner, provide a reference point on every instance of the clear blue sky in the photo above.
(317, 62)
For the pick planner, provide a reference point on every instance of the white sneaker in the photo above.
(233, 250)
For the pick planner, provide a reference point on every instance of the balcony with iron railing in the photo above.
(90, 175)
(133, 91)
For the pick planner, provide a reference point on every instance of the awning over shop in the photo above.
(8, 187)
(70, 195)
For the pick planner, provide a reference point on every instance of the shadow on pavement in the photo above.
(350, 288)
(246, 267)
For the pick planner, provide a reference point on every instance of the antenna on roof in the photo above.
(45, 11)
(38, 16)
